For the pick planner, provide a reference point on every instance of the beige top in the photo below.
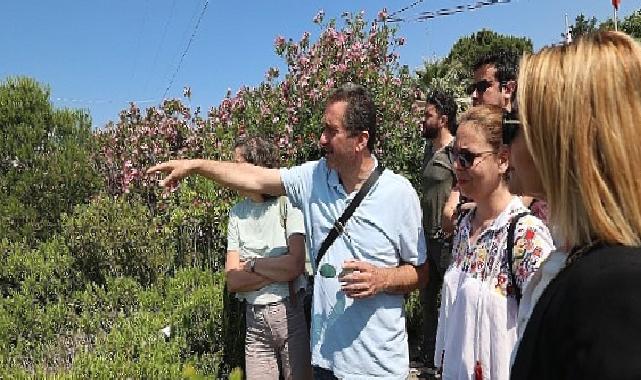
(255, 230)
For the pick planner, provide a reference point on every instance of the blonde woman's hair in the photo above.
(580, 106)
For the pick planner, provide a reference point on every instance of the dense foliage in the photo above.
(45, 161)
(630, 24)
(106, 275)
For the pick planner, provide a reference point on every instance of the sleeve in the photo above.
(532, 245)
(295, 223)
(298, 183)
(233, 240)
(411, 235)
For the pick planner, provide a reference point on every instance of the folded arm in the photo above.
(286, 267)
(239, 280)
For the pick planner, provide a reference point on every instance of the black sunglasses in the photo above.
(479, 87)
(510, 129)
(465, 158)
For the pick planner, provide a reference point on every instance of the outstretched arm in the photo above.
(238, 176)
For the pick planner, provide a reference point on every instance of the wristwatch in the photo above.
(252, 264)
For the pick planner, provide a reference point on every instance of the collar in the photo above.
(334, 181)
(506, 215)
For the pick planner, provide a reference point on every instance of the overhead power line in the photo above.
(424, 16)
(191, 39)
(417, 2)
(102, 101)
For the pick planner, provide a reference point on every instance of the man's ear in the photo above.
(443, 120)
(363, 138)
(509, 88)
(504, 159)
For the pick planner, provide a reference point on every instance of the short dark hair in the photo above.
(506, 63)
(360, 114)
(258, 151)
(445, 105)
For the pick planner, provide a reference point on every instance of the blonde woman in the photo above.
(580, 107)
(477, 326)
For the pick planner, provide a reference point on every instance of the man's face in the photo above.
(493, 95)
(339, 147)
(432, 122)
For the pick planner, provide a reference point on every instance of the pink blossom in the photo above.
(319, 17)
(382, 15)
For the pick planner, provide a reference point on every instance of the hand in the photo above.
(364, 280)
(177, 169)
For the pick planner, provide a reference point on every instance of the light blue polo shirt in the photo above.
(364, 338)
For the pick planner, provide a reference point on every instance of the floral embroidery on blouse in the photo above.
(532, 244)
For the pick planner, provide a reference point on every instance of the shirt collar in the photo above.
(506, 215)
(334, 181)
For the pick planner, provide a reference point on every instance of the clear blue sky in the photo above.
(101, 54)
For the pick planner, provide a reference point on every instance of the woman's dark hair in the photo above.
(258, 151)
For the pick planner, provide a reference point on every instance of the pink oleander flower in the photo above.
(382, 15)
(279, 41)
(319, 17)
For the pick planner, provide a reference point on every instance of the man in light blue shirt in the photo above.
(358, 324)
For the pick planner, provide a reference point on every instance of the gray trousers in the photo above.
(277, 334)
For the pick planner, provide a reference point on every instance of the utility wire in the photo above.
(160, 45)
(417, 2)
(191, 39)
(424, 16)
(102, 101)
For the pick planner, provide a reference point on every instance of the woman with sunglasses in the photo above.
(580, 108)
(477, 326)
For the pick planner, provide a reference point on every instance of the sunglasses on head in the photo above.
(511, 126)
(466, 158)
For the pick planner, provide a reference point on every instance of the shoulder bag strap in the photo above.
(510, 252)
(339, 225)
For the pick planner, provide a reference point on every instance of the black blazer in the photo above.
(587, 323)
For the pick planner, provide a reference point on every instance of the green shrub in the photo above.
(34, 315)
(116, 237)
(46, 164)
(44, 273)
(134, 348)
(195, 217)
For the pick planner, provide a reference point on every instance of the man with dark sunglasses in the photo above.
(438, 202)
(495, 79)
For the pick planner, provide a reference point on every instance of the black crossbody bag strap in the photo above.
(339, 225)
(511, 230)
